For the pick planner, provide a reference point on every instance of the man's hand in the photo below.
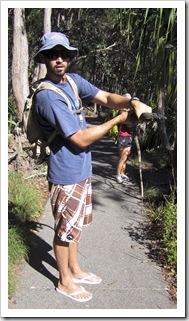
(128, 117)
(140, 108)
(123, 117)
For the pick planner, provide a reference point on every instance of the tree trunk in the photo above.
(20, 85)
(165, 140)
(161, 124)
(47, 28)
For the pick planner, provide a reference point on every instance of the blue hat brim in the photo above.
(73, 51)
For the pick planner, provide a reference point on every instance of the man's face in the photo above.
(57, 61)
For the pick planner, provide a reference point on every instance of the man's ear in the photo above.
(42, 58)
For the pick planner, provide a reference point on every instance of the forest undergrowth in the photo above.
(161, 211)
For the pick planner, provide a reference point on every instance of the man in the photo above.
(69, 164)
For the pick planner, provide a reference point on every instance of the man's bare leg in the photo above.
(62, 253)
(75, 270)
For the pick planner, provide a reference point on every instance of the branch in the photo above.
(34, 175)
(140, 165)
(11, 157)
(94, 51)
(107, 48)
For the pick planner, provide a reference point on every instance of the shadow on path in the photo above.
(39, 253)
(105, 157)
(37, 248)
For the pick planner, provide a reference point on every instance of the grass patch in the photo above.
(24, 197)
(164, 224)
(152, 192)
(24, 205)
(17, 251)
(166, 217)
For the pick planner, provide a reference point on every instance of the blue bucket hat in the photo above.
(52, 39)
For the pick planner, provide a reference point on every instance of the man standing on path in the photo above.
(69, 163)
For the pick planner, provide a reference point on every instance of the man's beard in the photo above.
(58, 72)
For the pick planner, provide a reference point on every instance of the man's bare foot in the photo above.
(75, 292)
(87, 278)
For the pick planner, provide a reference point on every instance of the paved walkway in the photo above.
(115, 247)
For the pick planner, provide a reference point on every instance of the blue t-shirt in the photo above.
(67, 163)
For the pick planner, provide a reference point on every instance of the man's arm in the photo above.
(86, 137)
(116, 101)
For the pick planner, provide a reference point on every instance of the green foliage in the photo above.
(11, 279)
(17, 251)
(152, 192)
(34, 26)
(113, 132)
(152, 103)
(166, 216)
(24, 204)
(12, 116)
(24, 197)
(133, 48)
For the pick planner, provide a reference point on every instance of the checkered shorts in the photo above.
(72, 209)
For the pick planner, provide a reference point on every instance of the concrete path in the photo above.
(115, 247)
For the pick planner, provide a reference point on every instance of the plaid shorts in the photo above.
(71, 208)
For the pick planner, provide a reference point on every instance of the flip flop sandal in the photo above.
(74, 294)
(87, 280)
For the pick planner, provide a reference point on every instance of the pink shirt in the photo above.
(123, 131)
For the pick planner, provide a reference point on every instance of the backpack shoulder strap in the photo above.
(75, 89)
(49, 86)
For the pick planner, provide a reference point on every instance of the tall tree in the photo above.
(40, 70)
(157, 47)
(20, 84)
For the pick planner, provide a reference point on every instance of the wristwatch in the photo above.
(130, 101)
